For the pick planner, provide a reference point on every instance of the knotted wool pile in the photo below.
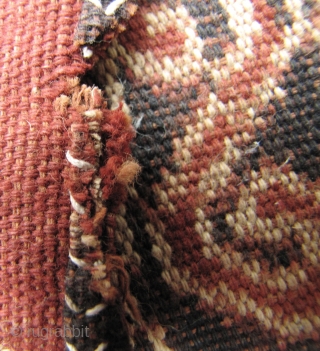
(159, 175)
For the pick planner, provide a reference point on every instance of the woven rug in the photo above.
(160, 175)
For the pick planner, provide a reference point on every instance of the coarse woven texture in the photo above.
(53, 135)
(216, 245)
(220, 233)
(37, 55)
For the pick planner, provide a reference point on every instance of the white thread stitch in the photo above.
(78, 163)
(77, 261)
(96, 136)
(95, 310)
(101, 347)
(71, 347)
(113, 7)
(90, 240)
(96, 3)
(86, 52)
(71, 305)
(77, 207)
(90, 113)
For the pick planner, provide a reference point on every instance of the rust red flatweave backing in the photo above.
(37, 55)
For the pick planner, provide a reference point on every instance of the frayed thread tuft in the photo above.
(128, 172)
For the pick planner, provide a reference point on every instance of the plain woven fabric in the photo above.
(37, 55)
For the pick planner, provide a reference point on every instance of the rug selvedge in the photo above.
(97, 296)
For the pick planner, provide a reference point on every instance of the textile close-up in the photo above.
(159, 175)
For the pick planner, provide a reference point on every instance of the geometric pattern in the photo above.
(222, 223)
